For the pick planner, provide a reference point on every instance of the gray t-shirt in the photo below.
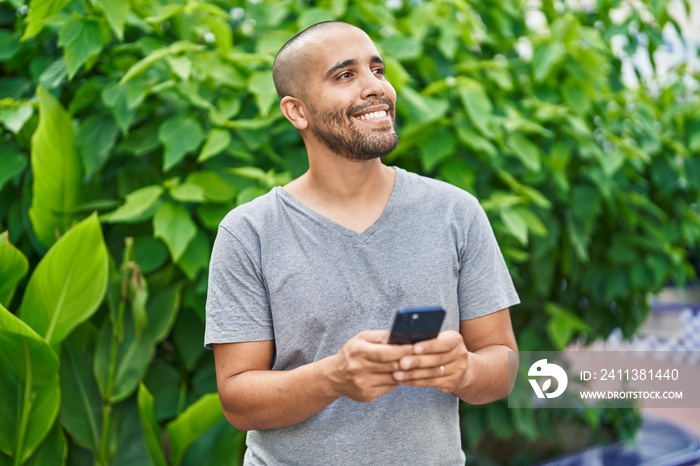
(281, 271)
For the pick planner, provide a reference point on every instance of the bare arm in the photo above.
(255, 397)
(474, 361)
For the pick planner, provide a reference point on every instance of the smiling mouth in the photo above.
(373, 115)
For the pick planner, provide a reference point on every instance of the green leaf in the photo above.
(116, 12)
(181, 66)
(217, 140)
(13, 267)
(533, 222)
(516, 224)
(261, 85)
(14, 118)
(68, 284)
(52, 450)
(149, 427)
(575, 96)
(135, 353)
(526, 151)
(188, 192)
(173, 224)
(204, 414)
(563, 324)
(54, 75)
(39, 11)
(546, 58)
(81, 406)
(158, 54)
(179, 135)
(9, 45)
(437, 148)
(57, 183)
(167, 386)
(28, 388)
(187, 336)
(81, 39)
(151, 254)
(476, 103)
(95, 139)
(135, 206)
(196, 256)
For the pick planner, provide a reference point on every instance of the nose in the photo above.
(371, 85)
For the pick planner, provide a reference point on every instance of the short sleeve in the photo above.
(485, 285)
(237, 307)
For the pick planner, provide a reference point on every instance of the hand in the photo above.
(441, 363)
(364, 366)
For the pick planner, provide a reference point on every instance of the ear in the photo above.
(294, 110)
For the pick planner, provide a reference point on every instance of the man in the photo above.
(305, 281)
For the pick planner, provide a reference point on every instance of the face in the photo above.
(351, 104)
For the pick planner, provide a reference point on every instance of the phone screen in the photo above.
(416, 324)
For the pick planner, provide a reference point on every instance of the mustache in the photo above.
(372, 103)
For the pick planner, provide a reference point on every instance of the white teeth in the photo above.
(373, 115)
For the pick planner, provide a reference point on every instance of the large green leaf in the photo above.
(526, 151)
(477, 104)
(135, 352)
(179, 135)
(217, 140)
(57, 184)
(260, 84)
(204, 414)
(81, 406)
(68, 284)
(116, 13)
(81, 39)
(13, 267)
(174, 225)
(149, 426)
(28, 387)
(39, 11)
(12, 163)
(52, 451)
(95, 139)
(136, 205)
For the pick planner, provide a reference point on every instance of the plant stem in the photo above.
(117, 335)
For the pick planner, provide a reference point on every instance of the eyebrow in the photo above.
(351, 62)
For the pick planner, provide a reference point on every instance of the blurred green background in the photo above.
(129, 128)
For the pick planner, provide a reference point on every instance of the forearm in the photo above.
(265, 399)
(486, 378)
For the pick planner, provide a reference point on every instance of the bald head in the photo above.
(289, 69)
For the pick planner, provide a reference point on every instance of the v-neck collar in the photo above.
(361, 237)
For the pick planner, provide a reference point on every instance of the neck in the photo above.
(353, 194)
(344, 181)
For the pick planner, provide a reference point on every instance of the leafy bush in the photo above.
(130, 128)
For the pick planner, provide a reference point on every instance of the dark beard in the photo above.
(358, 145)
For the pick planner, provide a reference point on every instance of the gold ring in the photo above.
(442, 371)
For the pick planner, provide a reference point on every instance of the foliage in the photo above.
(161, 116)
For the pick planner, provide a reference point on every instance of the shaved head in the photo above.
(289, 70)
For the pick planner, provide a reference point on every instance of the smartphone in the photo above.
(416, 324)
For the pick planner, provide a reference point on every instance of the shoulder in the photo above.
(432, 194)
(251, 217)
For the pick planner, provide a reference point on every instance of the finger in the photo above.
(424, 361)
(444, 342)
(384, 353)
(432, 374)
(380, 367)
(374, 336)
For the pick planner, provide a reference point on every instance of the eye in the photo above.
(345, 75)
(379, 70)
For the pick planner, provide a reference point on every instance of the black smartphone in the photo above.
(416, 324)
